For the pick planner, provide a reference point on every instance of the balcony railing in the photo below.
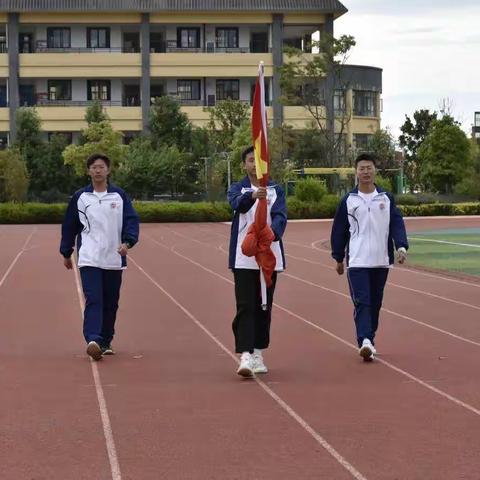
(45, 102)
(42, 47)
(3, 47)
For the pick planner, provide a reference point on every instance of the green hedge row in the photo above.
(153, 212)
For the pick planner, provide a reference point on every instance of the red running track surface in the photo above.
(175, 407)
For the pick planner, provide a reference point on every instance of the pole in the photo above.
(205, 160)
(229, 181)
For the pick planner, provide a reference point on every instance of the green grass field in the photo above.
(452, 250)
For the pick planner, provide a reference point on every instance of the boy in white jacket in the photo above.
(367, 228)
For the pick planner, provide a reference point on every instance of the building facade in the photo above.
(60, 55)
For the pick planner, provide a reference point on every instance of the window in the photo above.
(58, 37)
(339, 102)
(98, 89)
(98, 37)
(188, 37)
(477, 119)
(59, 89)
(3, 43)
(364, 103)
(228, 89)
(361, 141)
(3, 140)
(227, 37)
(188, 89)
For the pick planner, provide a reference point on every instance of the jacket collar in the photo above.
(89, 188)
(379, 189)
(245, 182)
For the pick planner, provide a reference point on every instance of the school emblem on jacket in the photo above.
(113, 205)
(382, 206)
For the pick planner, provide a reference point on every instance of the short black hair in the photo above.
(246, 151)
(98, 156)
(370, 157)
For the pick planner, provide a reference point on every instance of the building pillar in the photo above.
(13, 72)
(330, 88)
(277, 53)
(145, 81)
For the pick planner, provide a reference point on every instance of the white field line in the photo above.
(284, 405)
(102, 404)
(422, 239)
(19, 254)
(439, 392)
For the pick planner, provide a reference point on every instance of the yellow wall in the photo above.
(304, 19)
(365, 125)
(296, 117)
(71, 119)
(3, 18)
(80, 65)
(87, 18)
(3, 65)
(200, 116)
(209, 64)
(4, 122)
(230, 18)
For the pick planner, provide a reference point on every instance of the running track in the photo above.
(169, 405)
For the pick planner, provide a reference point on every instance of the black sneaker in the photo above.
(94, 350)
(108, 350)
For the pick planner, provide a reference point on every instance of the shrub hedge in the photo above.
(153, 212)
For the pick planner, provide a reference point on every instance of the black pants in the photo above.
(251, 325)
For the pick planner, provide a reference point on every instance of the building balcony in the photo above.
(3, 65)
(188, 64)
(72, 119)
(76, 65)
(4, 119)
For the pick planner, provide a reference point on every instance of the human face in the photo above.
(98, 171)
(249, 166)
(366, 172)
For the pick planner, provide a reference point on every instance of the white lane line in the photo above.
(443, 394)
(393, 284)
(19, 254)
(289, 410)
(422, 239)
(102, 404)
(400, 269)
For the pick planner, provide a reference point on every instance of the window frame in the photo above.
(50, 84)
(50, 37)
(90, 30)
(91, 83)
(224, 82)
(227, 29)
(191, 81)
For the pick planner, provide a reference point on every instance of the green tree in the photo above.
(13, 176)
(225, 118)
(382, 144)
(140, 172)
(169, 125)
(311, 80)
(413, 134)
(99, 138)
(95, 113)
(444, 156)
(310, 149)
(470, 184)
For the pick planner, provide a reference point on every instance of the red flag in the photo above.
(260, 236)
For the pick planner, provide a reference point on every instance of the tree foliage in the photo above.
(445, 156)
(311, 80)
(99, 138)
(13, 176)
(382, 145)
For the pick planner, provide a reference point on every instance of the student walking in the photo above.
(367, 228)
(251, 325)
(100, 217)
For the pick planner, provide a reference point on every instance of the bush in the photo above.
(384, 183)
(310, 190)
(13, 176)
(152, 212)
(469, 186)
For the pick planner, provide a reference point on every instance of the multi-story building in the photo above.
(60, 55)
(476, 127)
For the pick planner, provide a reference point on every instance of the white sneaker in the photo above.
(367, 350)
(246, 365)
(257, 360)
(94, 350)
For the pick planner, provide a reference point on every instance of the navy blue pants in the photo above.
(366, 289)
(102, 291)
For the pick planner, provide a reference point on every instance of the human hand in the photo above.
(260, 193)
(123, 249)
(68, 263)
(339, 268)
(402, 255)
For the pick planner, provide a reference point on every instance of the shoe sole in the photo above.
(260, 370)
(245, 372)
(94, 351)
(366, 353)
(108, 352)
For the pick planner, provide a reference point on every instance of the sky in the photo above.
(429, 50)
